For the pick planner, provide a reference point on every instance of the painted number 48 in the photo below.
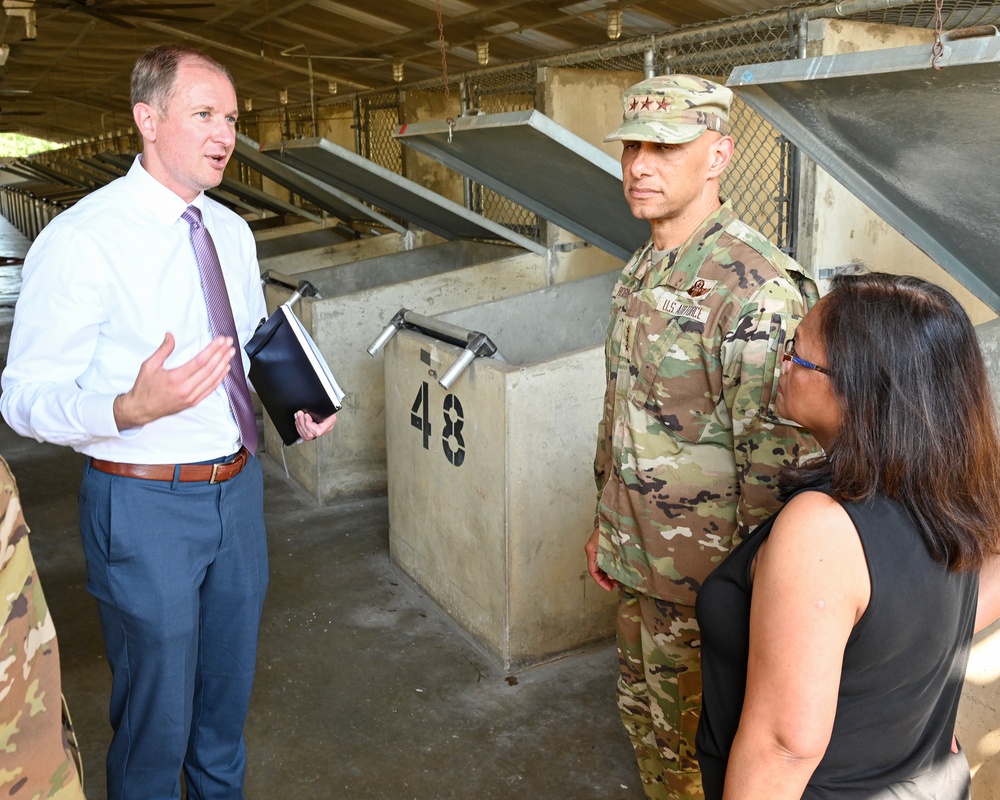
(452, 441)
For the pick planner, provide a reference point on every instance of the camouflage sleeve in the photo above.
(37, 753)
(602, 457)
(762, 442)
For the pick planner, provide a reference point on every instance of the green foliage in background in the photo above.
(14, 145)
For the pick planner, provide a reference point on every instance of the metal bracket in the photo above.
(299, 290)
(475, 344)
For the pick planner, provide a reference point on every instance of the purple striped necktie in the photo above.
(220, 320)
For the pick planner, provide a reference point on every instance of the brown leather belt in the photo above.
(211, 473)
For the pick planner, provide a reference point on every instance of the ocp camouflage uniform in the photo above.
(36, 760)
(687, 460)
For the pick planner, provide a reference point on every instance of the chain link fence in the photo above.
(497, 93)
(380, 114)
(761, 179)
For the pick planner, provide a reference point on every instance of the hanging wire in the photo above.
(444, 70)
(938, 50)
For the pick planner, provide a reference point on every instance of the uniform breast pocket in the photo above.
(677, 377)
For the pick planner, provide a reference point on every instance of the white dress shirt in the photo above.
(101, 286)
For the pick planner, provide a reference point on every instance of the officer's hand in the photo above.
(601, 578)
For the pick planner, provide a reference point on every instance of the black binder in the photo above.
(289, 373)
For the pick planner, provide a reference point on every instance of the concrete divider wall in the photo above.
(283, 230)
(314, 258)
(289, 243)
(410, 265)
(358, 301)
(491, 488)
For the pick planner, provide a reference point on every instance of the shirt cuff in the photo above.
(98, 414)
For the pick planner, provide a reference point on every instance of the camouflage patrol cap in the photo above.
(673, 109)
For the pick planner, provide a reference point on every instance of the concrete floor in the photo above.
(365, 688)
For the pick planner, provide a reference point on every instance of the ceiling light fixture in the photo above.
(482, 52)
(614, 20)
(24, 9)
(397, 71)
(4, 53)
(331, 87)
(248, 104)
(283, 96)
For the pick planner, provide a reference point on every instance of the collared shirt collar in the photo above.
(165, 206)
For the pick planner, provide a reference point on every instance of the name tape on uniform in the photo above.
(671, 305)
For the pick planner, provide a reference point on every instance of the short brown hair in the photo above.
(155, 70)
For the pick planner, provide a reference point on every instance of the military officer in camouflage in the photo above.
(38, 752)
(690, 445)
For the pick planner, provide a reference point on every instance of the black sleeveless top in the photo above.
(903, 669)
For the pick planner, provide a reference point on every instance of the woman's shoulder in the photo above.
(814, 527)
(814, 553)
(813, 509)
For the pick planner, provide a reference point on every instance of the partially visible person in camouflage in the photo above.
(690, 445)
(37, 748)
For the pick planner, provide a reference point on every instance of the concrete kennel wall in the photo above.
(281, 231)
(335, 123)
(491, 486)
(423, 106)
(348, 252)
(588, 103)
(358, 301)
(836, 228)
(291, 243)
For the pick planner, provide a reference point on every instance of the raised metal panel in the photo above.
(322, 195)
(265, 200)
(398, 195)
(109, 171)
(542, 166)
(231, 193)
(916, 144)
(36, 171)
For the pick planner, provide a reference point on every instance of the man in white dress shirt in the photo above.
(112, 353)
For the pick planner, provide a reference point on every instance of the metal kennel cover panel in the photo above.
(397, 195)
(542, 166)
(916, 144)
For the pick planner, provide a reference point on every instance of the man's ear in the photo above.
(145, 120)
(720, 154)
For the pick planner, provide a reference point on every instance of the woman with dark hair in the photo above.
(835, 637)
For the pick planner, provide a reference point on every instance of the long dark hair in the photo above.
(917, 415)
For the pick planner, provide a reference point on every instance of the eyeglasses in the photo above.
(789, 355)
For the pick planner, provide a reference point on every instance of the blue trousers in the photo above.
(179, 571)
